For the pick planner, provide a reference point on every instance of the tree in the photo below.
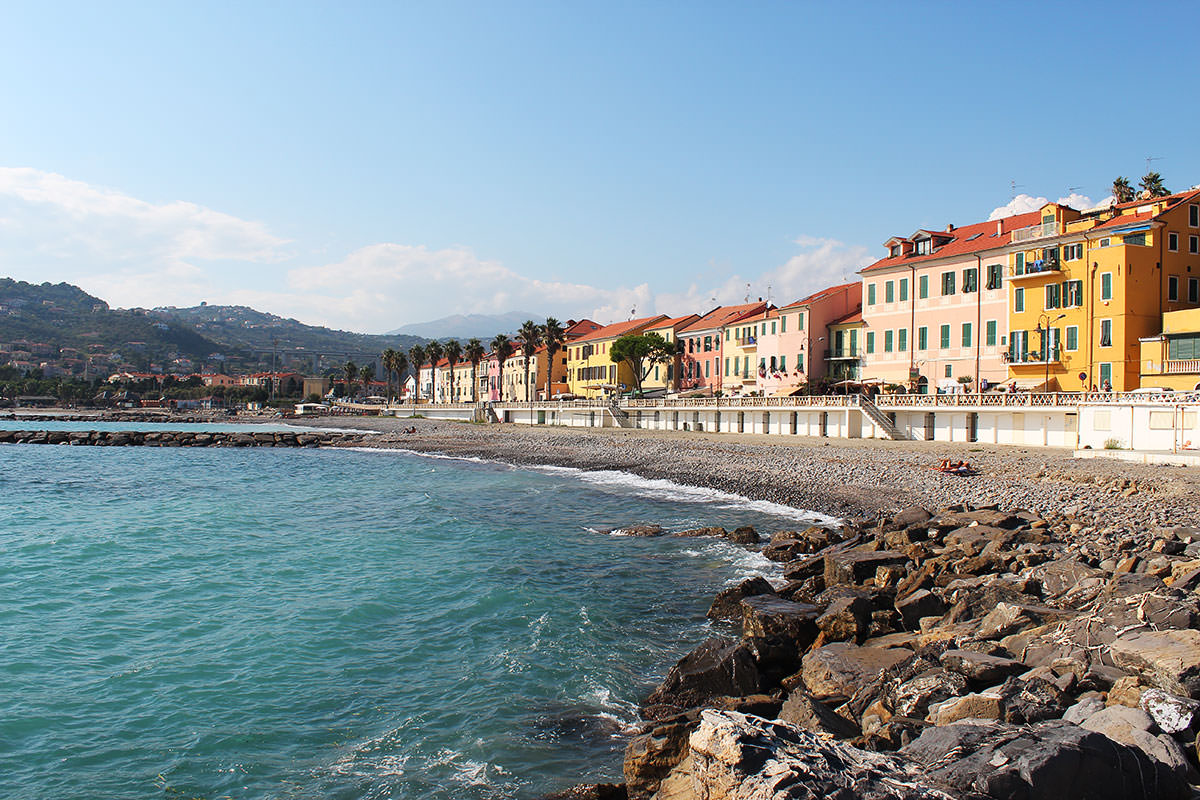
(531, 335)
(1152, 183)
(367, 373)
(388, 359)
(397, 364)
(1121, 190)
(502, 348)
(474, 353)
(434, 352)
(416, 355)
(350, 372)
(641, 353)
(453, 355)
(553, 337)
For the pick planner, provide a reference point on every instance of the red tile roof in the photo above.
(723, 315)
(821, 295)
(675, 322)
(993, 233)
(849, 318)
(584, 326)
(619, 329)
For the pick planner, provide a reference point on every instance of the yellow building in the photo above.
(845, 352)
(741, 367)
(1086, 287)
(664, 378)
(1171, 360)
(591, 372)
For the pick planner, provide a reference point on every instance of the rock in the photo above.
(1083, 708)
(835, 671)
(652, 754)
(1171, 713)
(591, 791)
(980, 666)
(1127, 691)
(918, 604)
(1004, 620)
(716, 668)
(1132, 726)
(803, 711)
(979, 705)
(1048, 761)
(914, 515)
(771, 616)
(1032, 700)
(855, 566)
(640, 530)
(735, 757)
(845, 619)
(785, 549)
(710, 531)
(1169, 659)
(728, 602)
(744, 535)
(914, 697)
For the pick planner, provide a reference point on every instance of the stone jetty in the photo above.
(184, 438)
(970, 652)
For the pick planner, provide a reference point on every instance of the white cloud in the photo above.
(1024, 203)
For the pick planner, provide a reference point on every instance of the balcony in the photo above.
(1185, 367)
(1036, 269)
(844, 354)
(1040, 231)
(748, 341)
(1033, 357)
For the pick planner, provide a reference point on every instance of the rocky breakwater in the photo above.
(968, 653)
(183, 438)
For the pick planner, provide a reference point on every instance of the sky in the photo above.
(368, 165)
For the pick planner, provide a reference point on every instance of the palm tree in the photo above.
(416, 355)
(531, 335)
(553, 336)
(474, 353)
(502, 348)
(350, 371)
(453, 354)
(367, 373)
(388, 358)
(1121, 190)
(434, 352)
(399, 365)
(1152, 183)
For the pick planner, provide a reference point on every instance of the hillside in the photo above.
(465, 326)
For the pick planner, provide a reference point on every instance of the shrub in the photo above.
(1113, 444)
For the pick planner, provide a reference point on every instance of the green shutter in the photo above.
(923, 286)
(903, 289)
(922, 338)
(1018, 299)
(966, 334)
(945, 337)
(870, 294)
(870, 341)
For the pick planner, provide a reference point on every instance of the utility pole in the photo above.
(274, 347)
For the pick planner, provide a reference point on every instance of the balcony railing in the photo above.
(1184, 367)
(1034, 268)
(747, 341)
(1034, 357)
(1039, 231)
(844, 353)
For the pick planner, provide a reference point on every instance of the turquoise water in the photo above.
(220, 623)
(131, 425)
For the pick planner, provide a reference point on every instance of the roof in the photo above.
(675, 322)
(824, 293)
(581, 328)
(619, 329)
(849, 319)
(995, 233)
(723, 315)
(765, 314)
(1125, 219)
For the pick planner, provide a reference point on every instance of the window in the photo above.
(923, 287)
(990, 333)
(1105, 242)
(1072, 293)
(949, 370)
(708, 343)
(853, 341)
(1019, 264)
(924, 247)
(1106, 286)
(889, 292)
(727, 331)
(772, 328)
(1106, 333)
(735, 365)
(1183, 348)
(870, 294)
(945, 337)
(966, 334)
(1194, 215)
(800, 320)
(971, 279)
(947, 283)
(1136, 238)
(903, 290)
(1193, 290)
(1019, 299)
(1072, 337)
(1173, 288)
(1194, 244)
(1019, 346)
(1105, 376)
(870, 341)
(1173, 242)
(922, 338)
(706, 366)
(1053, 296)
(783, 322)
(783, 363)
(902, 339)
(887, 341)
(1072, 252)
(995, 276)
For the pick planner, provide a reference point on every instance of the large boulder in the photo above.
(771, 616)
(1136, 728)
(735, 757)
(728, 602)
(834, 672)
(1052, 760)
(856, 566)
(1169, 659)
(801, 710)
(653, 753)
(718, 667)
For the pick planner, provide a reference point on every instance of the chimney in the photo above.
(999, 227)
(950, 228)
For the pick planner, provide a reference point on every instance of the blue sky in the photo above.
(368, 165)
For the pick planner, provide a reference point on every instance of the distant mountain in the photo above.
(465, 326)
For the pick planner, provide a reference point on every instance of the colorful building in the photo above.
(1171, 360)
(664, 378)
(701, 362)
(844, 356)
(740, 363)
(792, 354)
(935, 308)
(591, 372)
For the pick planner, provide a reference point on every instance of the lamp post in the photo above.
(1044, 334)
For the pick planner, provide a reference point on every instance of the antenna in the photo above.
(1149, 159)
(633, 312)
(768, 294)
(1015, 186)
(747, 293)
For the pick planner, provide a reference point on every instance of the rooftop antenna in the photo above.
(1015, 186)
(768, 294)
(633, 312)
(747, 293)
(1149, 159)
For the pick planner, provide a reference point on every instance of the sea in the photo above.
(337, 623)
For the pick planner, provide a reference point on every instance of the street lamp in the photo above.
(1044, 334)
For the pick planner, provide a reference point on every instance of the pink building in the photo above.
(701, 361)
(793, 348)
(935, 309)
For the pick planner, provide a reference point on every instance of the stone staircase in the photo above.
(620, 416)
(880, 419)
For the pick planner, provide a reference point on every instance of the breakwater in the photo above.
(96, 438)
